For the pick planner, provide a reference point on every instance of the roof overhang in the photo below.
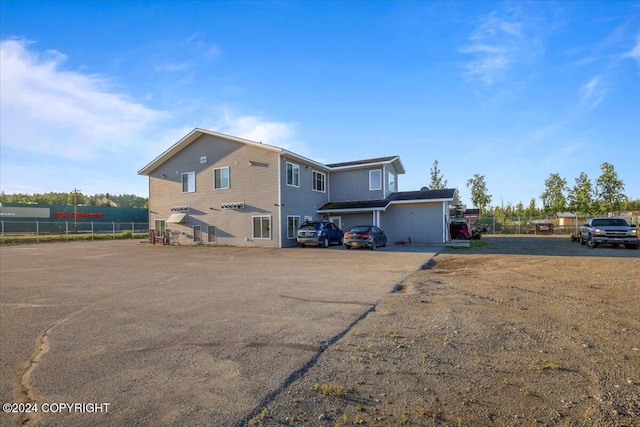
(197, 133)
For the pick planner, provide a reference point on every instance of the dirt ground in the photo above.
(520, 332)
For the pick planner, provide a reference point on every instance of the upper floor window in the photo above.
(319, 181)
(221, 178)
(293, 174)
(392, 183)
(375, 179)
(189, 182)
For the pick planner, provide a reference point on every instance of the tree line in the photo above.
(77, 198)
(586, 197)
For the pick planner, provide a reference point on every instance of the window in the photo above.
(293, 223)
(293, 175)
(375, 179)
(189, 182)
(261, 227)
(392, 182)
(221, 178)
(319, 180)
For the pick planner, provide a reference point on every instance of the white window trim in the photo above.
(286, 171)
(253, 230)
(229, 178)
(379, 183)
(295, 228)
(324, 181)
(182, 182)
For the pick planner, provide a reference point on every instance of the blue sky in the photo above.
(93, 91)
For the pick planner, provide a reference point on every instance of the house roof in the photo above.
(394, 198)
(197, 133)
(395, 160)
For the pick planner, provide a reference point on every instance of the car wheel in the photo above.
(461, 237)
(590, 243)
(582, 241)
(325, 242)
(384, 243)
(302, 245)
(347, 247)
(373, 245)
(632, 246)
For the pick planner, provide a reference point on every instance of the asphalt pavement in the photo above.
(125, 333)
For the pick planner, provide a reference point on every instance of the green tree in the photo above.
(531, 210)
(479, 195)
(580, 197)
(437, 179)
(553, 198)
(609, 189)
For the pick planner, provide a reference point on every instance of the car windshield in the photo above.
(615, 222)
(359, 229)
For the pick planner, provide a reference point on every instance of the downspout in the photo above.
(280, 201)
(445, 223)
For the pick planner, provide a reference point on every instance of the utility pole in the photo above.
(75, 209)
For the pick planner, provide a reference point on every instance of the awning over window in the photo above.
(176, 218)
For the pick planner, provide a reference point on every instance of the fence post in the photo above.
(133, 230)
(92, 230)
(113, 224)
(37, 232)
(2, 221)
(66, 229)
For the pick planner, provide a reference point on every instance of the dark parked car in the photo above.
(460, 230)
(364, 236)
(319, 233)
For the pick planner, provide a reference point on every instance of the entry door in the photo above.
(197, 234)
(337, 220)
(211, 232)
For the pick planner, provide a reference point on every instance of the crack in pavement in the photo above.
(367, 304)
(23, 390)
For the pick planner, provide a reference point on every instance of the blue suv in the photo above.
(319, 233)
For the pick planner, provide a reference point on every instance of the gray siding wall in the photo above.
(255, 184)
(351, 185)
(300, 201)
(423, 223)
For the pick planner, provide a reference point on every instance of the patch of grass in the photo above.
(332, 390)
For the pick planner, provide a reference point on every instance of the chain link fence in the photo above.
(67, 229)
(565, 225)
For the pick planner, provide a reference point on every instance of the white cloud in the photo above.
(497, 44)
(48, 109)
(258, 129)
(634, 53)
(592, 93)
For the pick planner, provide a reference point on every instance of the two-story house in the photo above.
(219, 189)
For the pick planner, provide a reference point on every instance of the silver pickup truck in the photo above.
(612, 231)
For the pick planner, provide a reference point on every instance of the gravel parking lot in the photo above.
(168, 335)
(522, 331)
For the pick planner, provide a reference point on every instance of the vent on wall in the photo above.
(238, 205)
(180, 209)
